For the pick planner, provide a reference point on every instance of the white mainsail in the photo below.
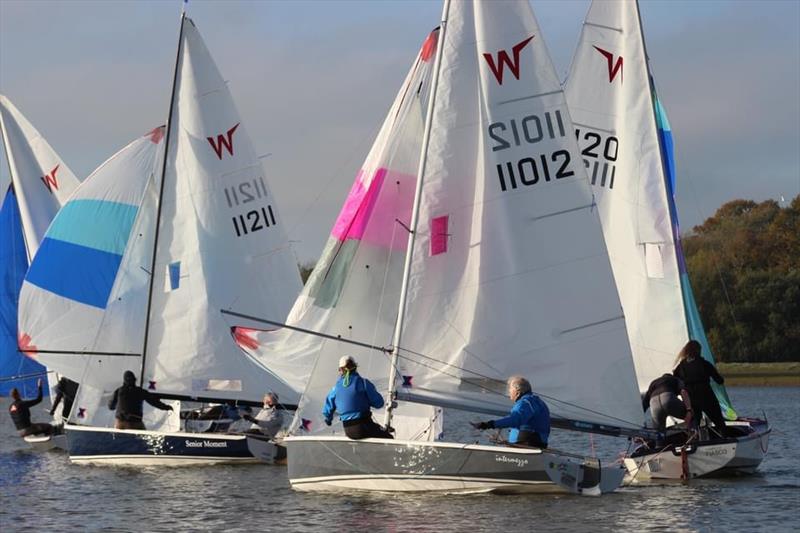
(43, 182)
(509, 270)
(220, 244)
(619, 125)
(86, 290)
(354, 288)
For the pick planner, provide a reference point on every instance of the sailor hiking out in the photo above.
(20, 411)
(353, 397)
(529, 419)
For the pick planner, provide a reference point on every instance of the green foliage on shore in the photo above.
(744, 264)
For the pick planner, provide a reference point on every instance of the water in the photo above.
(44, 491)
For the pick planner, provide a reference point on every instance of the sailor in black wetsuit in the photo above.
(20, 411)
(662, 399)
(66, 390)
(128, 400)
(697, 373)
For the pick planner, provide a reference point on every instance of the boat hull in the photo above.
(91, 445)
(342, 464)
(46, 443)
(714, 458)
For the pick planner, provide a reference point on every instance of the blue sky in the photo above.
(314, 80)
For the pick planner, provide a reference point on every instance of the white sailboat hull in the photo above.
(385, 465)
(46, 443)
(93, 445)
(722, 457)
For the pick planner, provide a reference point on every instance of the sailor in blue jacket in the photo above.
(529, 419)
(352, 397)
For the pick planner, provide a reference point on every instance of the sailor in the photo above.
(662, 399)
(128, 400)
(352, 397)
(20, 411)
(269, 420)
(66, 390)
(697, 373)
(529, 419)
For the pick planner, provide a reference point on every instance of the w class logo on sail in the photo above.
(50, 180)
(503, 60)
(223, 141)
(614, 67)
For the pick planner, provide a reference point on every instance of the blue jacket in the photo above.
(529, 413)
(353, 401)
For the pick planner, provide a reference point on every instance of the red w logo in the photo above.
(613, 68)
(223, 140)
(50, 180)
(503, 60)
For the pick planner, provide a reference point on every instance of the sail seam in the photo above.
(565, 211)
(587, 23)
(530, 97)
(591, 324)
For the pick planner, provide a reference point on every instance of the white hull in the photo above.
(384, 465)
(735, 456)
(45, 443)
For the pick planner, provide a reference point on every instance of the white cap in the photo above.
(346, 361)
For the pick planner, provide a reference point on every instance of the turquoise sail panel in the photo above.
(693, 321)
(13, 264)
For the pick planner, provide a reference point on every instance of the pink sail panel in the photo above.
(371, 212)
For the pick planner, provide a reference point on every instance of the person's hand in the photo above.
(483, 425)
(169, 408)
(52, 412)
(327, 421)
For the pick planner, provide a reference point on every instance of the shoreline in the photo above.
(760, 374)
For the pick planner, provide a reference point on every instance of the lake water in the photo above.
(45, 492)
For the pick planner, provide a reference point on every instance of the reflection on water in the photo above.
(44, 491)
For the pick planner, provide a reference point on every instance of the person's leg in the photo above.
(355, 431)
(713, 411)
(375, 431)
(38, 429)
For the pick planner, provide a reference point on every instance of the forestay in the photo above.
(221, 244)
(627, 150)
(354, 289)
(86, 289)
(509, 272)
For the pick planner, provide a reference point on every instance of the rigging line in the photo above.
(78, 352)
(385, 279)
(303, 330)
(20, 377)
(492, 391)
(719, 273)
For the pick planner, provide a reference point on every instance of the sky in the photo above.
(313, 81)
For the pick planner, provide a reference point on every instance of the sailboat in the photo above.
(504, 272)
(627, 148)
(40, 184)
(202, 234)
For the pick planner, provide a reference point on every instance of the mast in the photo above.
(161, 196)
(398, 329)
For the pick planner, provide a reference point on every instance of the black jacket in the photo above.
(128, 400)
(696, 372)
(20, 411)
(65, 390)
(666, 383)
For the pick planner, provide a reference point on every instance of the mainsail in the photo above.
(354, 289)
(220, 244)
(40, 184)
(627, 149)
(509, 272)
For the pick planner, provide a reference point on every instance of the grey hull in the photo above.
(339, 463)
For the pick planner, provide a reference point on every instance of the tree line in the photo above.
(744, 266)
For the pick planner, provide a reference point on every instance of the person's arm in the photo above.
(646, 398)
(31, 403)
(57, 399)
(112, 403)
(375, 398)
(155, 402)
(514, 419)
(330, 406)
(714, 373)
(687, 402)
